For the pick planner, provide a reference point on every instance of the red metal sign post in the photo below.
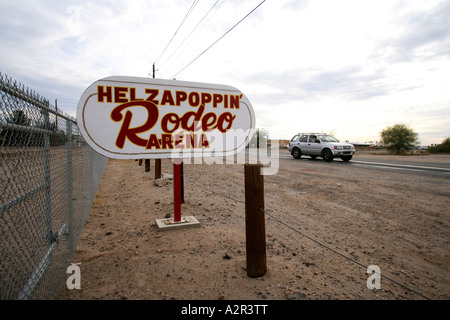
(177, 190)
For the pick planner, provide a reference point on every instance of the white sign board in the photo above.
(144, 118)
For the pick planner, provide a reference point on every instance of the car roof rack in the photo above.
(311, 133)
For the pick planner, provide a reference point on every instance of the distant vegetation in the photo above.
(259, 139)
(399, 138)
(23, 131)
(444, 147)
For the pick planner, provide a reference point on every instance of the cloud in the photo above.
(422, 33)
(296, 5)
(350, 83)
(352, 56)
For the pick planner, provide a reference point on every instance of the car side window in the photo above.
(294, 138)
(303, 138)
(312, 138)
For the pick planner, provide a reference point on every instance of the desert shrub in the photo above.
(444, 147)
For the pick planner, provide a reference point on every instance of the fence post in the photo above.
(48, 205)
(157, 168)
(147, 165)
(69, 188)
(255, 230)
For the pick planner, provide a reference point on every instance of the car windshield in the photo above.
(328, 138)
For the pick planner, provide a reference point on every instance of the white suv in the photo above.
(320, 145)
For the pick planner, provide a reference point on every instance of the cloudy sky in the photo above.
(351, 68)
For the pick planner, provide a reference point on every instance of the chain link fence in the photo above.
(48, 180)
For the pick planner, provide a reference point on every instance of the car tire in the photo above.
(296, 153)
(327, 155)
(346, 158)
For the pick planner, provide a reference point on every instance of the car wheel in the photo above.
(347, 158)
(296, 153)
(327, 155)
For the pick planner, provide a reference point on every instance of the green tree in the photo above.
(16, 136)
(444, 147)
(259, 139)
(19, 117)
(399, 138)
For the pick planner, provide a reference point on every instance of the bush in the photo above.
(444, 147)
(399, 138)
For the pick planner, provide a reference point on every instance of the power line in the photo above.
(220, 38)
(181, 24)
(213, 6)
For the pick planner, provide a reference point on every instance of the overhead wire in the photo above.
(193, 30)
(220, 38)
(179, 27)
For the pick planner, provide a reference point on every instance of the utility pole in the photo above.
(147, 161)
(157, 161)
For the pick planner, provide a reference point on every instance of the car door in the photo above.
(303, 143)
(293, 142)
(314, 147)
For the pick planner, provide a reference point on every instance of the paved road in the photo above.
(439, 169)
(411, 165)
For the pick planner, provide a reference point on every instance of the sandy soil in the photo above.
(325, 223)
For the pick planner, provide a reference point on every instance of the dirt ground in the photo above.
(325, 224)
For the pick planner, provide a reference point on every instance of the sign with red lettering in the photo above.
(144, 118)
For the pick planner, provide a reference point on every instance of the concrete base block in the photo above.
(170, 224)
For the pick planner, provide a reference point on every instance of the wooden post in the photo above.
(255, 230)
(157, 168)
(147, 165)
